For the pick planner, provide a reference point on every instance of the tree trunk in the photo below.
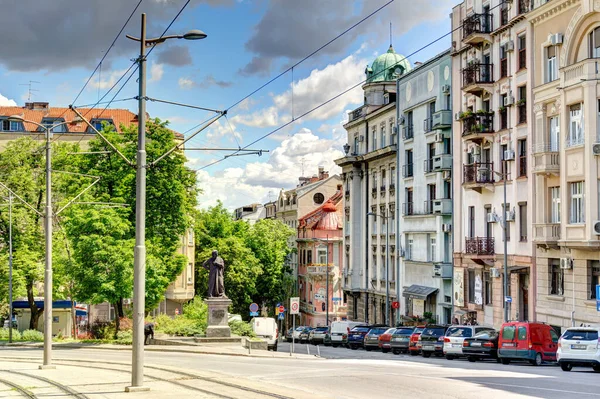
(35, 312)
(117, 320)
(120, 308)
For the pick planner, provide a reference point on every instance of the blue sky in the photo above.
(248, 43)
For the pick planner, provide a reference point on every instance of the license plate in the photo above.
(430, 347)
(508, 344)
(457, 345)
(403, 339)
(475, 343)
(578, 346)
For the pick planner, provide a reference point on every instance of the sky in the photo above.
(58, 44)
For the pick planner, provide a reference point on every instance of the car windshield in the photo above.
(360, 329)
(418, 330)
(459, 332)
(297, 328)
(390, 331)
(433, 331)
(404, 331)
(321, 329)
(377, 331)
(581, 335)
(489, 334)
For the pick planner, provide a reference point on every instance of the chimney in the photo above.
(37, 106)
(322, 173)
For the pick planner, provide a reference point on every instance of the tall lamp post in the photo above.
(139, 271)
(387, 263)
(10, 267)
(504, 176)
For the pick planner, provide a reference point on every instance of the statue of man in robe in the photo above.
(215, 266)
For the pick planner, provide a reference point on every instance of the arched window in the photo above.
(594, 41)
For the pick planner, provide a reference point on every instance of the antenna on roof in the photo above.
(302, 163)
(390, 34)
(30, 90)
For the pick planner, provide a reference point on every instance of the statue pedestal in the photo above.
(218, 316)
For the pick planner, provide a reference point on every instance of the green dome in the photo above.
(387, 67)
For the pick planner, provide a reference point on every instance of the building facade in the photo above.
(566, 107)
(491, 55)
(370, 180)
(425, 190)
(251, 213)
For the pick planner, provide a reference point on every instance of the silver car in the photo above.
(317, 335)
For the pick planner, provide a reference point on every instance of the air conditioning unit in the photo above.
(597, 227)
(446, 227)
(494, 273)
(361, 138)
(491, 217)
(596, 149)
(402, 120)
(510, 46)
(446, 89)
(438, 138)
(446, 174)
(510, 216)
(437, 270)
(509, 155)
(566, 263)
(508, 101)
(555, 39)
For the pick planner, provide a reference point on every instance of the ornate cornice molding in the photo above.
(550, 9)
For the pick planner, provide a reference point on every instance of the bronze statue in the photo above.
(215, 265)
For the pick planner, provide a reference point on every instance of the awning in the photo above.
(40, 304)
(419, 291)
(517, 269)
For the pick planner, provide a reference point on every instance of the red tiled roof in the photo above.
(325, 217)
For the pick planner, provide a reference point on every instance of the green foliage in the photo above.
(196, 310)
(192, 322)
(4, 334)
(32, 335)
(103, 330)
(124, 337)
(241, 328)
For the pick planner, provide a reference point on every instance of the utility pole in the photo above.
(10, 267)
(48, 285)
(504, 227)
(387, 268)
(327, 281)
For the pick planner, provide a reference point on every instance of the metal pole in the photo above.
(10, 264)
(139, 271)
(293, 332)
(387, 270)
(327, 281)
(506, 293)
(48, 267)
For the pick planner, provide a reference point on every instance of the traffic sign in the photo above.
(295, 305)
(598, 298)
(281, 309)
(395, 305)
(508, 299)
(253, 314)
(253, 307)
(281, 316)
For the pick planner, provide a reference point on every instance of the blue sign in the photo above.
(281, 316)
(508, 299)
(253, 307)
(254, 314)
(336, 299)
(598, 298)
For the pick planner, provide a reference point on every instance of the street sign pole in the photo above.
(293, 331)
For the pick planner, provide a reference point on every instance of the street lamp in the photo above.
(387, 261)
(10, 269)
(504, 176)
(139, 271)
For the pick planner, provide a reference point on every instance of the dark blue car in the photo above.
(356, 337)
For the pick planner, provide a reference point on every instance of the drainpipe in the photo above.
(366, 177)
(399, 275)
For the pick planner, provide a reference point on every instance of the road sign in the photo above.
(598, 298)
(253, 307)
(281, 316)
(295, 305)
(508, 299)
(395, 305)
(253, 314)
(281, 309)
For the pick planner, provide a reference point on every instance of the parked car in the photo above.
(483, 345)
(327, 338)
(297, 332)
(266, 327)
(413, 347)
(372, 337)
(304, 334)
(385, 340)
(431, 340)
(534, 342)
(340, 330)
(455, 336)
(356, 337)
(579, 347)
(400, 339)
(317, 335)
(288, 334)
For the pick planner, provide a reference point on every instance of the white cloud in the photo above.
(220, 129)
(185, 83)
(238, 186)
(106, 80)
(156, 72)
(266, 117)
(5, 102)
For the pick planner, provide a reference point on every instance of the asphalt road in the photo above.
(347, 374)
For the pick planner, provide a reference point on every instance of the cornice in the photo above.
(550, 9)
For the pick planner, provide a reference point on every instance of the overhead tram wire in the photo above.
(341, 93)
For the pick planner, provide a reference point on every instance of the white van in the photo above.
(339, 331)
(266, 327)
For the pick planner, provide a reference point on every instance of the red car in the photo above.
(534, 342)
(413, 349)
(385, 340)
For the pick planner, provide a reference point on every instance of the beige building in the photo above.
(566, 106)
(491, 82)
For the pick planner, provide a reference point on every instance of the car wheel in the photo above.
(449, 357)
(566, 366)
(538, 360)
(396, 352)
(505, 361)
(368, 348)
(426, 354)
(414, 353)
(385, 350)
(596, 369)
(275, 347)
(472, 359)
(353, 347)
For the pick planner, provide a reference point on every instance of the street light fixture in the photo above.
(387, 265)
(139, 272)
(504, 176)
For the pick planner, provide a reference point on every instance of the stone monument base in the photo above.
(218, 317)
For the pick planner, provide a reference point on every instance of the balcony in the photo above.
(408, 132)
(319, 269)
(575, 74)
(478, 175)
(357, 113)
(428, 125)
(442, 162)
(442, 119)
(408, 209)
(480, 246)
(442, 206)
(374, 192)
(428, 208)
(476, 126)
(382, 190)
(546, 233)
(407, 170)
(546, 160)
(477, 78)
(477, 29)
(522, 112)
(428, 165)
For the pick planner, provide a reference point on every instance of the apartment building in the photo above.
(566, 107)
(369, 172)
(425, 189)
(491, 55)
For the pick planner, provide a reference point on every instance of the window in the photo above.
(575, 126)
(471, 286)
(322, 255)
(577, 202)
(12, 126)
(522, 104)
(374, 135)
(392, 270)
(356, 144)
(432, 249)
(392, 222)
(522, 147)
(447, 102)
(382, 268)
(504, 14)
(523, 222)
(522, 333)
(504, 171)
(408, 166)
(471, 222)
(318, 198)
(383, 179)
(508, 333)
(487, 282)
(522, 52)
(555, 205)
(383, 135)
(488, 224)
(190, 237)
(409, 129)
(503, 113)
(309, 256)
(551, 64)
(408, 206)
(506, 210)
(190, 274)
(392, 133)
(594, 39)
(374, 180)
(554, 133)
(374, 219)
(98, 124)
(392, 177)
(409, 248)
(49, 122)
(594, 273)
(557, 275)
(428, 123)
(503, 62)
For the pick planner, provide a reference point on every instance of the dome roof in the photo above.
(387, 67)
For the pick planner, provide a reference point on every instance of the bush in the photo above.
(241, 328)
(32, 335)
(197, 310)
(124, 337)
(4, 334)
(103, 329)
